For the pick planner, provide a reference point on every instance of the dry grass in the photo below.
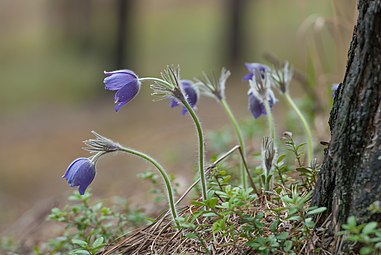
(161, 237)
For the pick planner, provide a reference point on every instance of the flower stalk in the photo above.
(163, 174)
(270, 119)
(240, 140)
(102, 145)
(305, 126)
(201, 149)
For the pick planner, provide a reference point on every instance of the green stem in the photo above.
(201, 149)
(239, 137)
(163, 174)
(306, 128)
(156, 79)
(270, 120)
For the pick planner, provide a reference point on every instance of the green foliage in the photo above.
(157, 190)
(8, 246)
(368, 235)
(88, 227)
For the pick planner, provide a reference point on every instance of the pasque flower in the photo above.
(125, 83)
(252, 67)
(260, 90)
(191, 95)
(81, 172)
(213, 87)
(256, 106)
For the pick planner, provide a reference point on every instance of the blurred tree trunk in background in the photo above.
(234, 32)
(75, 17)
(124, 32)
(350, 177)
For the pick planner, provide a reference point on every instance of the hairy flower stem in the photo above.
(201, 149)
(156, 79)
(240, 140)
(270, 119)
(306, 128)
(163, 174)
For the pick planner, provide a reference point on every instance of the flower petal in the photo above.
(248, 76)
(126, 93)
(256, 107)
(117, 79)
(173, 103)
(184, 111)
(73, 169)
(190, 92)
(81, 172)
(255, 66)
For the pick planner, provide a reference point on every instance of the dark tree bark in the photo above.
(350, 177)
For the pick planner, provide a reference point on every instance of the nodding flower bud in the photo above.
(268, 153)
(81, 172)
(125, 83)
(100, 144)
(282, 77)
(210, 86)
(190, 93)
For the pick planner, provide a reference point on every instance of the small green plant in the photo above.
(88, 227)
(367, 235)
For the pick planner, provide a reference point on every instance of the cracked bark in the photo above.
(350, 177)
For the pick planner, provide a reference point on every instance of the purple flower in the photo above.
(81, 172)
(256, 106)
(335, 87)
(260, 90)
(252, 67)
(125, 83)
(190, 93)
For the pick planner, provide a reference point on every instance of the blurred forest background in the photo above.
(52, 58)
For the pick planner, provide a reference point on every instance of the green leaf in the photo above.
(294, 218)
(282, 236)
(196, 203)
(317, 210)
(365, 250)
(274, 226)
(80, 243)
(211, 203)
(303, 170)
(190, 235)
(209, 214)
(98, 243)
(368, 229)
(309, 223)
(79, 252)
(280, 159)
(351, 221)
(287, 245)
(253, 244)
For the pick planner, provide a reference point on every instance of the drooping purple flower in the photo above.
(125, 83)
(260, 90)
(256, 106)
(190, 93)
(252, 67)
(81, 172)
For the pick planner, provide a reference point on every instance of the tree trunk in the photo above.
(350, 177)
